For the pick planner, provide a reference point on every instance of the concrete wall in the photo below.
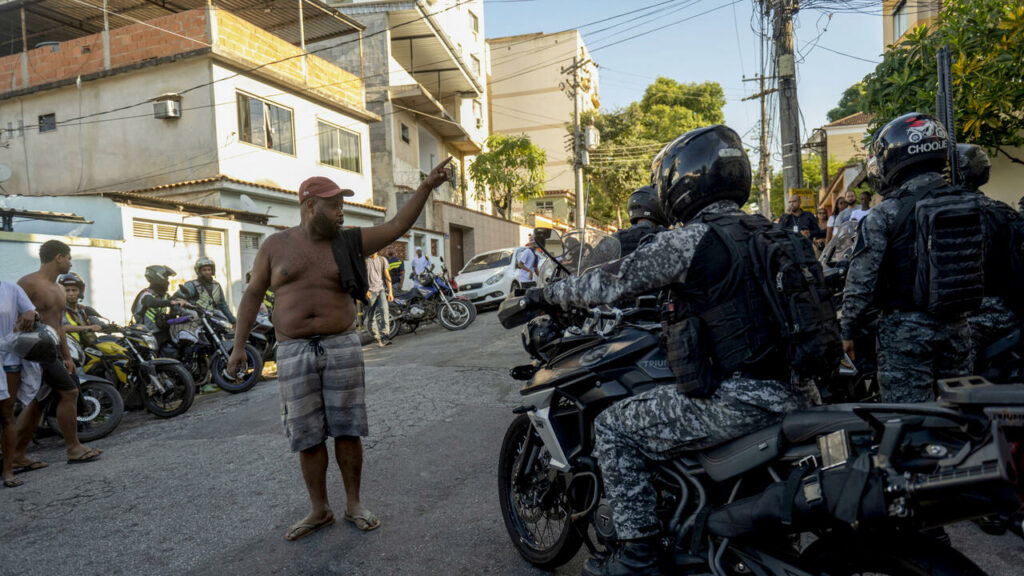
(918, 12)
(270, 167)
(105, 215)
(846, 142)
(481, 232)
(532, 103)
(1007, 180)
(128, 149)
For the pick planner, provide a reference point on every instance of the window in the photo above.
(433, 246)
(169, 233)
(476, 65)
(474, 22)
(405, 133)
(250, 240)
(339, 148)
(47, 122)
(264, 124)
(899, 21)
(478, 109)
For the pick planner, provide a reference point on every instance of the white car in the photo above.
(489, 277)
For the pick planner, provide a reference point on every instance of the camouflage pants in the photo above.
(915, 350)
(992, 321)
(663, 422)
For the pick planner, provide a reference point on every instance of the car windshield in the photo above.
(489, 261)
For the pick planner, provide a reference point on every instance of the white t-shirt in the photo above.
(419, 264)
(13, 303)
(831, 221)
(859, 213)
(529, 259)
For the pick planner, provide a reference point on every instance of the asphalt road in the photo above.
(213, 491)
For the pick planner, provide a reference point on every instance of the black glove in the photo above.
(534, 299)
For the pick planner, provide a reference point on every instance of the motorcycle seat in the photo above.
(799, 427)
(737, 456)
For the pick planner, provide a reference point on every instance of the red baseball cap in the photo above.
(321, 187)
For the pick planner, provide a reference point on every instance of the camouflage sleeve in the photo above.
(862, 277)
(662, 261)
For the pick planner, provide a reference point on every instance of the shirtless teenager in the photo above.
(319, 357)
(49, 300)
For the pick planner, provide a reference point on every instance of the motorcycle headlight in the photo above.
(493, 279)
(150, 341)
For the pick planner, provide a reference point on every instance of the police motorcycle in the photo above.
(100, 407)
(202, 340)
(857, 481)
(433, 299)
(128, 357)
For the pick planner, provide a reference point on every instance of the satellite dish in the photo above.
(248, 204)
(5, 172)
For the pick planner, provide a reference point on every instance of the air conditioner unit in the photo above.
(167, 109)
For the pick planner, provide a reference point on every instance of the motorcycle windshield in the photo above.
(585, 249)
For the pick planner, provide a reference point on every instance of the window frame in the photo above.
(900, 13)
(474, 22)
(476, 65)
(403, 133)
(359, 146)
(266, 103)
(43, 123)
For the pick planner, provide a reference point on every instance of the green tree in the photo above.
(986, 40)
(812, 179)
(851, 102)
(632, 135)
(512, 169)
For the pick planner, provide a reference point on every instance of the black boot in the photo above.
(632, 557)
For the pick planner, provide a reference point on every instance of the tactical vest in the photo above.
(715, 324)
(630, 238)
(935, 262)
(153, 315)
(207, 298)
(75, 317)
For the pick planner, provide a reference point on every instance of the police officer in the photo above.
(152, 304)
(205, 292)
(994, 318)
(645, 217)
(915, 347)
(702, 178)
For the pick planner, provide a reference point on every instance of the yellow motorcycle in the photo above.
(127, 357)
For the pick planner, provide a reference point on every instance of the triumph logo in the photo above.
(926, 147)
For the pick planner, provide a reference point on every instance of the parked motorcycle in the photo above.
(862, 479)
(263, 338)
(202, 341)
(126, 356)
(100, 407)
(432, 300)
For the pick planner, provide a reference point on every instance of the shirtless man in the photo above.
(49, 300)
(319, 357)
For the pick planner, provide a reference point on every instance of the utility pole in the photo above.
(764, 183)
(789, 110)
(572, 88)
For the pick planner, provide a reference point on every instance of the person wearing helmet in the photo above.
(702, 178)
(152, 304)
(59, 374)
(205, 292)
(923, 333)
(17, 314)
(77, 316)
(645, 218)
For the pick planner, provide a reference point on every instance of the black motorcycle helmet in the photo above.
(698, 168)
(974, 165)
(159, 276)
(644, 203)
(72, 279)
(911, 144)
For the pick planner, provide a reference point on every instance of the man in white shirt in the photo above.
(865, 207)
(17, 313)
(526, 267)
(419, 264)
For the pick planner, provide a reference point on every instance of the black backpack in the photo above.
(800, 308)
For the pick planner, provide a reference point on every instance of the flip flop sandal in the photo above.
(88, 456)
(303, 529)
(13, 483)
(366, 521)
(35, 465)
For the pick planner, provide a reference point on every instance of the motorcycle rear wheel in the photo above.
(531, 537)
(178, 398)
(895, 555)
(105, 408)
(253, 371)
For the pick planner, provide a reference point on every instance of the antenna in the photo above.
(248, 204)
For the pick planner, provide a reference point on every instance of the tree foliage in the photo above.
(632, 135)
(851, 102)
(512, 169)
(986, 40)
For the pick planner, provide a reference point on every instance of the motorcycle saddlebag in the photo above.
(847, 495)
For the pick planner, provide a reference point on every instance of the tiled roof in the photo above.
(854, 119)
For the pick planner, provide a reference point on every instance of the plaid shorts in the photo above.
(322, 394)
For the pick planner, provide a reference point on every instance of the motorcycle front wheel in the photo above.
(180, 392)
(537, 518)
(253, 371)
(456, 314)
(100, 409)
